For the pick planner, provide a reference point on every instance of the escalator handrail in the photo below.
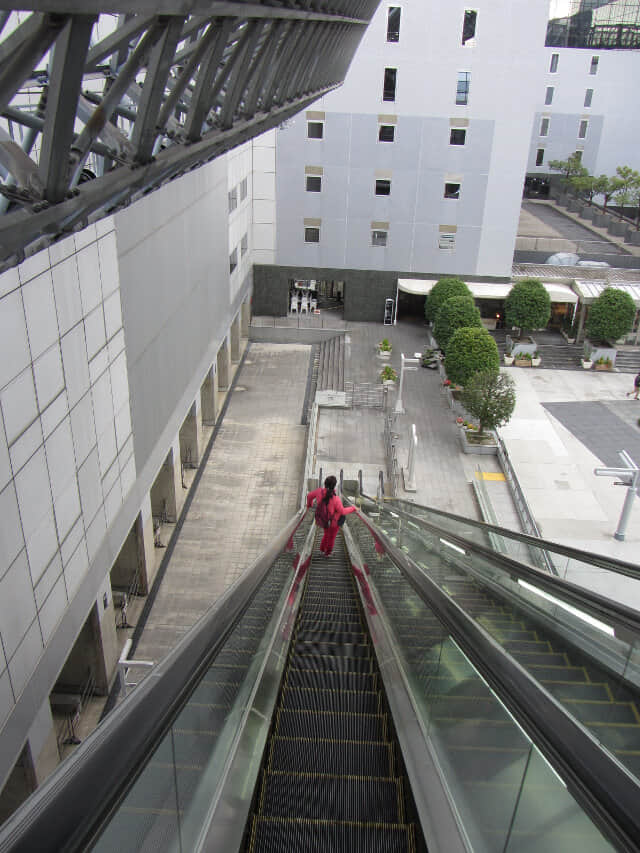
(612, 564)
(68, 810)
(604, 789)
(624, 620)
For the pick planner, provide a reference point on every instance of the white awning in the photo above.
(590, 289)
(486, 289)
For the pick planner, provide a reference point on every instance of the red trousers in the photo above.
(329, 538)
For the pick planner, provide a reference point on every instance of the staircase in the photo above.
(331, 364)
(332, 777)
(557, 354)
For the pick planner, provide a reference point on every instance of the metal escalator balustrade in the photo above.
(583, 649)
(332, 778)
(481, 755)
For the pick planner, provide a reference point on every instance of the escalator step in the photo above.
(272, 835)
(319, 617)
(352, 702)
(349, 758)
(605, 713)
(327, 726)
(324, 648)
(541, 658)
(331, 663)
(349, 798)
(580, 691)
(332, 635)
(545, 674)
(331, 680)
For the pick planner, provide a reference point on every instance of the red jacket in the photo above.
(336, 507)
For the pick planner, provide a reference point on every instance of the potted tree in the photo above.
(454, 313)
(491, 398)
(388, 375)
(468, 351)
(384, 348)
(527, 306)
(442, 290)
(610, 318)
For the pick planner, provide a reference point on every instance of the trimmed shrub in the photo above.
(455, 313)
(443, 289)
(490, 397)
(528, 305)
(611, 315)
(470, 351)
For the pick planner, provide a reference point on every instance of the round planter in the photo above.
(508, 360)
(535, 362)
(388, 383)
(587, 364)
(384, 353)
(571, 340)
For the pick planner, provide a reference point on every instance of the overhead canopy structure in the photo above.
(590, 290)
(101, 108)
(486, 289)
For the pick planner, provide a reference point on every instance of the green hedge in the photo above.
(611, 315)
(443, 289)
(470, 351)
(453, 314)
(528, 305)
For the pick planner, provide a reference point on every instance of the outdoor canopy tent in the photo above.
(488, 289)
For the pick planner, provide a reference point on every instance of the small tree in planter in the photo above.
(528, 305)
(611, 315)
(470, 350)
(443, 289)
(490, 397)
(455, 313)
(571, 168)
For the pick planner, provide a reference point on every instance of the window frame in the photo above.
(469, 38)
(244, 244)
(243, 189)
(387, 94)
(463, 131)
(390, 127)
(540, 156)
(307, 233)
(545, 124)
(583, 128)
(549, 95)
(382, 186)
(588, 98)
(446, 241)
(232, 199)
(464, 78)
(553, 64)
(393, 32)
(315, 123)
(313, 178)
(593, 67)
(452, 194)
(379, 231)
(233, 261)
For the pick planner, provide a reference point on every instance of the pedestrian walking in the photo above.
(636, 387)
(329, 511)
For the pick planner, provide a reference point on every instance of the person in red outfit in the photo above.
(334, 510)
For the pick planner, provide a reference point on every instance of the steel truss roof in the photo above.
(90, 122)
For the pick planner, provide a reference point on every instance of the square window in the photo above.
(315, 129)
(244, 245)
(233, 199)
(553, 66)
(387, 133)
(383, 187)
(233, 260)
(544, 127)
(458, 136)
(548, 98)
(311, 235)
(314, 183)
(390, 80)
(452, 190)
(379, 238)
(578, 154)
(539, 156)
(393, 23)
(462, 89)
(593, 69)
(469, 25)
(582, 130)
(588, 97)
(243, 189)
(447, 242)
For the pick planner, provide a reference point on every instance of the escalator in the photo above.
(375, 701)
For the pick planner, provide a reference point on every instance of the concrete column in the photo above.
(20, 783)
(106, 633)
(208, 398)
(164, 491)
(43, 743)
(581, 318)
(223, 366)
(145, 541)
(235, 339)
(131, 566)
(245, 317)
(95, 650)
(190, 438)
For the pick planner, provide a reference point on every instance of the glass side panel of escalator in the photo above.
(582, 661)
(506, 795)
(166, 807)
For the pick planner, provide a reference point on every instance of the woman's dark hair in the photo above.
(330, 485)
